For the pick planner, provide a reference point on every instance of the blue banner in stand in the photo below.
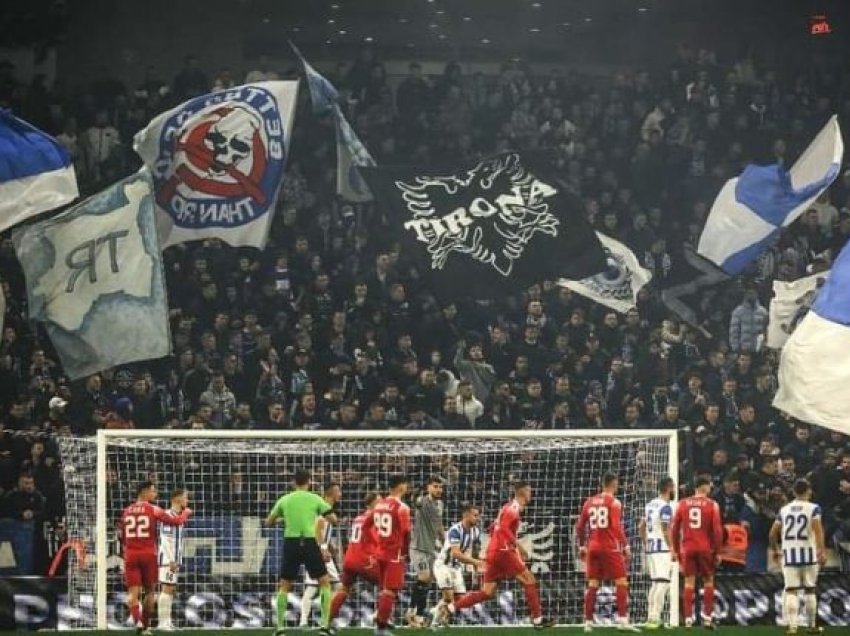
(16, 545)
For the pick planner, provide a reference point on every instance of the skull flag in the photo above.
(217, 163)
(492, 228)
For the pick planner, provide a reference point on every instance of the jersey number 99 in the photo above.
(384, 524)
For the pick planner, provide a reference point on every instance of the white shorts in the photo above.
(800, 576)
(659, 566)
(333, 573)
(449, 578)
(166, 576)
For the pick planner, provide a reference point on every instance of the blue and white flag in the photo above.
(617, 287)
(814, 371)
(323, 94)
(751, 209)
(218, 161)
(36, 173)
(94, 277)
(351, 155)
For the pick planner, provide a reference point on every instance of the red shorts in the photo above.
(697, 563)
(391, 574)
(503, 565)
(359, 567)
(141, 569)
(605, 565)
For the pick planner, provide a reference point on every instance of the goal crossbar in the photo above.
(105, 436)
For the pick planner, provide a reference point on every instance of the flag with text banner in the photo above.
(492, 227)
(95, 279)
(218, 162)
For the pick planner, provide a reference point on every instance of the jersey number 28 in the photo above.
(598, 517)
(137, 527)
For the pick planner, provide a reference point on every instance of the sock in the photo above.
(165, 608)
(146, 618)
(325, 604)
(791, 606)
(280, 609)
(708, 601)
(688, 604)
(386, 600)
(812, 608)
(419, 598)
(653, 614)
(623, 601)
(468, 600)
(589, 603)
(136, 613)
(532, 597)
(336, 603)
(663, 590)
(307, 604)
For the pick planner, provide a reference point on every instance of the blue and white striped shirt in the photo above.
(170, 542)
(461, 537)
(798, 539)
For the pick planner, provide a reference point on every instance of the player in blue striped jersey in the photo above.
(170, 557)
(325, 529)
(799, 528)
(654, 529)
(456, 552)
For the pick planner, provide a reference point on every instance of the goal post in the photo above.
(229, 574)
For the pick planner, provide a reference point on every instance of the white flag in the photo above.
(94, 277)
(617, 287)
(814, 370)
(789, 305)
(218, 161)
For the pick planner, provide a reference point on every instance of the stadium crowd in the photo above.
(331, 327)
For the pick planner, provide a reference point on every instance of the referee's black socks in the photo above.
(420, 597)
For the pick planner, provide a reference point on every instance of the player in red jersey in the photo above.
(504, 561)
(697, 534)
(604, 548)
(391, 520)
(360, 561)
(138, 531)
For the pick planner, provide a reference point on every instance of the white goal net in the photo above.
(230, 563)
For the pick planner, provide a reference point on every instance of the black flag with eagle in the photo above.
(495, 227)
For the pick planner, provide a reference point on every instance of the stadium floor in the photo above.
(730, 630)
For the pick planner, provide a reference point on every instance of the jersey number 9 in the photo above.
(384, 524)
(598, 517)
(695, 518)
(137, 527)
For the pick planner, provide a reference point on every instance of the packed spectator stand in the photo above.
(330, 327)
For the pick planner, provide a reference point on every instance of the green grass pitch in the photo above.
(724, 630)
